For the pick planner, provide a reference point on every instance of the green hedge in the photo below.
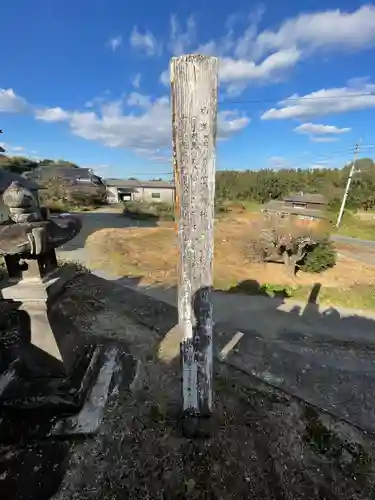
(322, 257)
(143, 210)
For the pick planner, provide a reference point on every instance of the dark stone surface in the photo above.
(65, 408)
(333, 373)
(33, 468)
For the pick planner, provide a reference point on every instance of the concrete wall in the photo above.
(308, 205)
(148, 194)
(165, 195)
(112, 195)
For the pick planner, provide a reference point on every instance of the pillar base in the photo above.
(48, 343)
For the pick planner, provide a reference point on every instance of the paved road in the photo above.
(353, 241)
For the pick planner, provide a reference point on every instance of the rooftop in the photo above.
(306, 198)
(279, 206)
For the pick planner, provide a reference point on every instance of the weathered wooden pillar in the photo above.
(194, 82)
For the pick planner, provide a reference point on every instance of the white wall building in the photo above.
(119, 190)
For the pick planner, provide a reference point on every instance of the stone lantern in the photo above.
(54, 368)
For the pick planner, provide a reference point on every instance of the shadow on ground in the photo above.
(322, 355)
(279, 448)
(32, 471)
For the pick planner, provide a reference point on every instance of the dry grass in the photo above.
(152, 254)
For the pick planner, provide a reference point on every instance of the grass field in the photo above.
(357, 228)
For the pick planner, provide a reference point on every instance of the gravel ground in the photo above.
(262, 444)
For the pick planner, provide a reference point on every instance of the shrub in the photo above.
(142, 210)
(224, 207)
(60, 196)
(321, 257)
(287, 240)
(221, 208)
(271, 236)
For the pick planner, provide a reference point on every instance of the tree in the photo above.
(57, 163)
(263, 185)
(17, 164)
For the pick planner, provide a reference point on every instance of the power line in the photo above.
(303, 157)
(295, 99)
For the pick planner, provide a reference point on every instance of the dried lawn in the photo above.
(151, 253)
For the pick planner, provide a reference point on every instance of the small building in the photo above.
(6, 179)
(120, 190)
(305, 206)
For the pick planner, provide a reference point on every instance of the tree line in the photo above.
(264, 185)
(21, 164)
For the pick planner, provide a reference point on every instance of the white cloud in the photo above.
(325, 101)
(181, 40)
(144, 129)
(165, 78)
(265, 56)
(331, 29)
(136, 82)
(101, 170)
(320, 165)
(51, 114)
(98, 99)
(145, 42)
(317, 138)
(248, 39)
(241, 70)
(115, 43)
(230, 122)
(11, 102)
(254, 56)
(316, 128)
(18, 149)
(278, 163)
(139, 100)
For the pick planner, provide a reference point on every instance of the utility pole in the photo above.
(2, 150)
(351, 173)
(194, 87)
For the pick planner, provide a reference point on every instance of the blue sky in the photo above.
(87, 80)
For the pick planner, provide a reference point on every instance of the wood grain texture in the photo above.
(194, 82)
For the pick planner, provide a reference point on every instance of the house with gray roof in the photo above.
(120, 190)
(6, 179)
(308, 206)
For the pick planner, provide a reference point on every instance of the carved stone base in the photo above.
(49, 344)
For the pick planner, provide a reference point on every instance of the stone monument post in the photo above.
(194, 81)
